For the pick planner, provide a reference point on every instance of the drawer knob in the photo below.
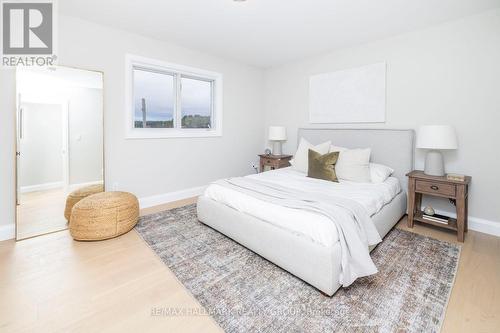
(268, 161)
(434, 187)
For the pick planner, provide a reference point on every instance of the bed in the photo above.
(310, 250)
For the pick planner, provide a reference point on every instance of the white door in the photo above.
(42, 149)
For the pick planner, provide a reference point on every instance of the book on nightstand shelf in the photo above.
(435, 218)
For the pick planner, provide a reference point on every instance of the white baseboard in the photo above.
(164, 198)
(41, 187)
(7, 232)
(475, 223)
(50, 186)
(72, 187)
(478, 224)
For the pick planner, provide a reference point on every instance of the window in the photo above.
(196, 103)
(153, 99)
(167, 100)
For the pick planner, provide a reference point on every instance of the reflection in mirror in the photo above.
(59, 143)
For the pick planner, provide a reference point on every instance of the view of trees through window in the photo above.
(196, 103)
(155, 100)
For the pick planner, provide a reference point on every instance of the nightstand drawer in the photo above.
(273, 162)
(435, 188)
(269, 161)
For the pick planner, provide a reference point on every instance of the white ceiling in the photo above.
(34, 78)
(266, 33)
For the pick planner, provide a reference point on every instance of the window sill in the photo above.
(152, 133)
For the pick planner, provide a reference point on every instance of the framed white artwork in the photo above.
(355, 95)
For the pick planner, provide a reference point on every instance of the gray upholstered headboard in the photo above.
(391, 147)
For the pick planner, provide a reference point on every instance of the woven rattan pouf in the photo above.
(104, 215)
(78, 195)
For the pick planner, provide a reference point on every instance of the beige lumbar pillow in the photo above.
(322, 166)
(300, 159)
(353, 164)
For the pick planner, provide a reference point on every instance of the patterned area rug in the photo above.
(246, 293)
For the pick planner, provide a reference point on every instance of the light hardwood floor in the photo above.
(53, 284)
(41, 212)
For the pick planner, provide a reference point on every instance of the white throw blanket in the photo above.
(355, 235)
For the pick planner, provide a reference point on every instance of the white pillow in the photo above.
(379, 172)
(300, 160)
(353, 164)
(337, 148)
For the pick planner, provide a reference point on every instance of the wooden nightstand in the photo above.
(274, 161)
(457, 191)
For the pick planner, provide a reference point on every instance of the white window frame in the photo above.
(133, 61)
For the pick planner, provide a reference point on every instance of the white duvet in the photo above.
(314, 226)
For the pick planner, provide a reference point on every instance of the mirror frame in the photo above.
(16, 152)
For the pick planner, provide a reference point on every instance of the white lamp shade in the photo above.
(277, 133)
(437, 137)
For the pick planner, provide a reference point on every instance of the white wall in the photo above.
(154, 166)
(85, 135)
(449, 74)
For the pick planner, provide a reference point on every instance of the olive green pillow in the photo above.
(322, 166)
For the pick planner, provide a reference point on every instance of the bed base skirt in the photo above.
(312, 262)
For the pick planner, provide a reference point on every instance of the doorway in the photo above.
(42, 141)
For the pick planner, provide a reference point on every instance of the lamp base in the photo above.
(434, 164)
(277, 148)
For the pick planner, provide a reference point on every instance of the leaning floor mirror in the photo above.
(59, 144)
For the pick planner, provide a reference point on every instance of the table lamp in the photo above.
(436, 138)
(277, 134)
